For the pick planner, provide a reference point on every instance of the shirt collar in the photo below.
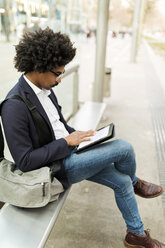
(37, 90)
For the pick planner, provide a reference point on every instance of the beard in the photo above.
(56, 84)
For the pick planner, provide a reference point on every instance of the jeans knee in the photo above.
(127, 149)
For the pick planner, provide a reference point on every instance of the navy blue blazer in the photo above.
(21, 134)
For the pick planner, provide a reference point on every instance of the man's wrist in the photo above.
(67, 140)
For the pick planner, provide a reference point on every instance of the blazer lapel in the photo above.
(31, 96)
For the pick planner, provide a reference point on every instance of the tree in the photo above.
(120, 14)
(154, 19)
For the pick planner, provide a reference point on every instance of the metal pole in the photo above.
(6, 21)
(75, 91)
(28, 13)
(39, 15)
(50, 12)
(137, 27)
(101, 40)
(142, 14)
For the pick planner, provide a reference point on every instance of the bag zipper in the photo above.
(43, 189)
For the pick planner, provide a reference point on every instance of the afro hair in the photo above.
(42, 51)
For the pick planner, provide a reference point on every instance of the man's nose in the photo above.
(58, 80)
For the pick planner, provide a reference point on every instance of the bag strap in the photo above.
(1, 144)
(42, 128)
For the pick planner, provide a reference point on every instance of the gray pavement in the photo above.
(90, 217)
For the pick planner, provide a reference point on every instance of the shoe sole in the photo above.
(149, 197)
(132, 246)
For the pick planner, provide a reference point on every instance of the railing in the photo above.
(67, 91)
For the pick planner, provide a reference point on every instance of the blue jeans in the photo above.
(111, 164)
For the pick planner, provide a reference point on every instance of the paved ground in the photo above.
(90, 217)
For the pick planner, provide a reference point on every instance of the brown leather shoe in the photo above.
(146, 189)
(133, 240)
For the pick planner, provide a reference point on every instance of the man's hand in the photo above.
(77, 137)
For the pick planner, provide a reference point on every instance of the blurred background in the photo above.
(128, 21)
(77, 16)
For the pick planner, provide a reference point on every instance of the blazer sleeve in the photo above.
(19, 129)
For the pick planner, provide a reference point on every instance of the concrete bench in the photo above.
(30, 228)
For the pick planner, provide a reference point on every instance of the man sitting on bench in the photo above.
(41, 57)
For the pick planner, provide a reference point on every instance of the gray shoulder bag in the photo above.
(34, 188)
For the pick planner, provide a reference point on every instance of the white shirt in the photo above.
(50, 109)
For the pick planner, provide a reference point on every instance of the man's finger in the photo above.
(88, 133)
(84, 134)
(86, 139)
(92, 132)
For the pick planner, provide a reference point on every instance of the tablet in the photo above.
(101, 135)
